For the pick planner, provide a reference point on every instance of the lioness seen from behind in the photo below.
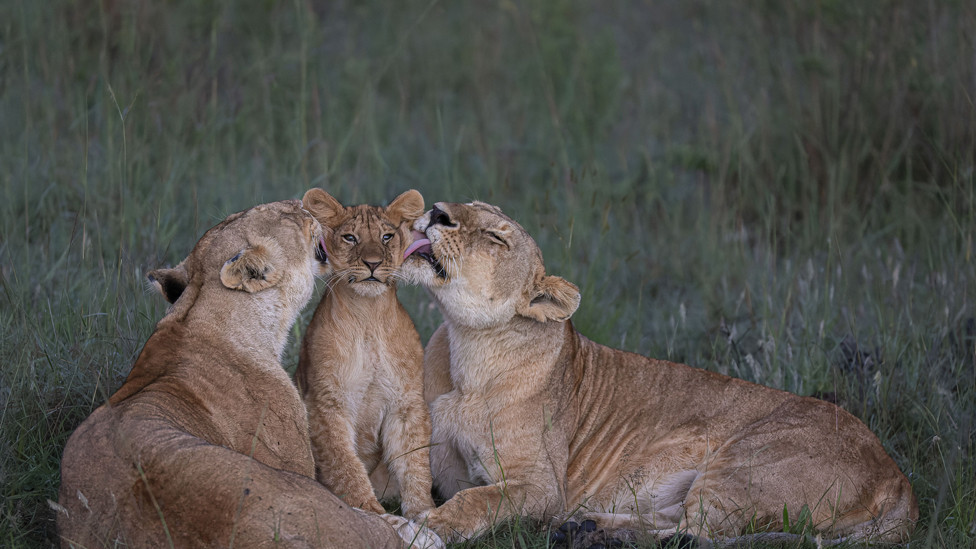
(206, 443)
(530, 417)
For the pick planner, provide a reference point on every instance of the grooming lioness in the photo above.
(206, 444)
(361, 366)
(530, 417)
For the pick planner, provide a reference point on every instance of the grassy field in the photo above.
(779, 191)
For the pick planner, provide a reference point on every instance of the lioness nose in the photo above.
(440, 217)
(372, 264)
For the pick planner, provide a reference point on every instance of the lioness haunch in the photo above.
(530, 417)
(206, 444)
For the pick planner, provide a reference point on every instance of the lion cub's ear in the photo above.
(407, 207)
(324, 207)
(170, 282)
(555, 299)
(252, 269)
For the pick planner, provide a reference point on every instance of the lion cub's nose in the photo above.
(372, 264)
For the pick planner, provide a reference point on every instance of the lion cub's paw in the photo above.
(414, 535)
(373, 507)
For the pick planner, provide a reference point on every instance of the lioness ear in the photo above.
(408, 207)
(323, 206)
(169, 282)
(251, 269)
(555, 299)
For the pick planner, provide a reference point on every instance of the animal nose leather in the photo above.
(372, 265)
(440, 217)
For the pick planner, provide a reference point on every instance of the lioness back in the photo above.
(361, 362)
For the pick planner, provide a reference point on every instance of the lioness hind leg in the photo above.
(892, 523)
(761, 483)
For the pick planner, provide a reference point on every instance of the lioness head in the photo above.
(365, 243)
(272, 245)
(484, 269)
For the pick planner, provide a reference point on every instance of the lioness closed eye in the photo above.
(529, 417)
(206, 444)
(361, 365)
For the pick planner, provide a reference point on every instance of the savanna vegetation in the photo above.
(779, 191)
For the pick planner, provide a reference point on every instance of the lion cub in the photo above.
(361, 363)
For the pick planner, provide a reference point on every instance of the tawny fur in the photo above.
(206, 444)
(361, 364)
(530, 417)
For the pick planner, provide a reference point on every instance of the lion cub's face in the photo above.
(483, 267)
(365, 243)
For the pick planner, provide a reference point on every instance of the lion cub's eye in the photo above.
(387, 237)
(349, 238)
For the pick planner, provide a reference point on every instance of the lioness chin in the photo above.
(530, 417)
(206, 443)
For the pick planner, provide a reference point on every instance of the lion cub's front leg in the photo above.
(406, 441)
(337, 466)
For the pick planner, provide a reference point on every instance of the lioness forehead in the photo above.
(484, 210)
(478, 215)
(491, 208)
(483, 207)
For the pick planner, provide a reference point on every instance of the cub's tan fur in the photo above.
(361, 365)
(206, 444)
(531, 417)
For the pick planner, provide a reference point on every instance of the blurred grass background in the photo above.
(780, 191)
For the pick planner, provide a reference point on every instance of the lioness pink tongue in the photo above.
(419, 241)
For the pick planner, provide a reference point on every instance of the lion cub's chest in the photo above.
(367, 382)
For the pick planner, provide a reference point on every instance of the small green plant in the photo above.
(801, 524)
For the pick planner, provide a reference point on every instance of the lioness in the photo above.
(361, 365)
(531, 417)
(206, 444)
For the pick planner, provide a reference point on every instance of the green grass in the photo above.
(780, 191)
